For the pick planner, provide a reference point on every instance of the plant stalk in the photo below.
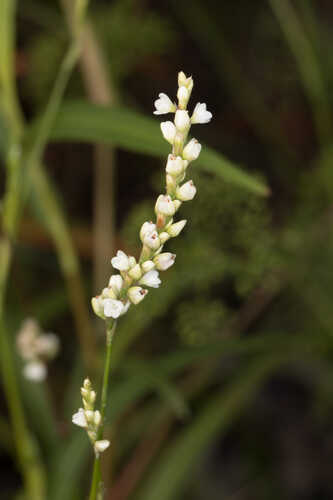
(96, 482)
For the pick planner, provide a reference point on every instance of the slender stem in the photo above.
(96, 482)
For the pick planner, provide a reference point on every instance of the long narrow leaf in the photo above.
(83, 121)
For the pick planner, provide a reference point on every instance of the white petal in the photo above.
(151, 279)
(113, 308)
(101, 445)
(182, 120)
(164, 105)
(116, 283)
(79, 418)
(200, 114)
(120, 262)
(169, 131)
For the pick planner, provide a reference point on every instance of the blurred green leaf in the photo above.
(121, 127)
(169, 475)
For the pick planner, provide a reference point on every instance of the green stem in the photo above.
(96, 482)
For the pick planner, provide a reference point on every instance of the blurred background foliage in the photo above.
(222, 383)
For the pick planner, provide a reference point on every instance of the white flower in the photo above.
(164, 236)
(185, 81)
(120, 262)
(186, 192)
(148, 265)
(116, 283)
(169, 131)
(151, 279)
(182, 120)
(151, 240)
(176, 228)
(147, 227)
(112, 308)
(35, 371)
(200, 114)
(136, 294)
(101, 446)
(164, 260)
(79, 418)
(175, 165)
(192, 150)
(164, 105)
(164, 205)
(183, 96)
(47, 345)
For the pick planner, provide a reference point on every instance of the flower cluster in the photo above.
(35, 348)
(90, 419)
(127, 287)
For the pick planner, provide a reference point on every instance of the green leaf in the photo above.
(121, 127)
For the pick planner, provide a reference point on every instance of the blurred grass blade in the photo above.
(169, 476)
(118, 126)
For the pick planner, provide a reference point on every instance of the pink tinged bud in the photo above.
(136, 294)
(164, 205)
(101, 446)
(152, 241)
(192, 150)
(164, 105)
(147, 227)
(148, 265)
(164, 260)
(116, 284)
(120, 262)
(175, 165)
(176, 228)
(200, 114)
(113, 308)
(151, 279)
(182, 120)
(169, 131)
(186, 192)
(164, 236)
(79, 418)
(135, 272)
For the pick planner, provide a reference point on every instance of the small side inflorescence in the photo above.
(90, 419)
(35, 348)
(128, 287)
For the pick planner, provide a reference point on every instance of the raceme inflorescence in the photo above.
(130, 285)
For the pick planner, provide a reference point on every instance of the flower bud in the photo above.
(168, 131)
(176, 204)
(164, 205)
(164, 260)
(97, 418)
(175, 229)
(135, 272)
(185, 81)
(89, 414)
(131, 261)
(97, 305)
(164, 105)
(136, 294)
(175, 165)
(164, 236)
(101, 446)
(151, 279)
(116, 284)
(183, 96)
(186, 192)
(192, 150)
(182, 120)
(147, 266)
